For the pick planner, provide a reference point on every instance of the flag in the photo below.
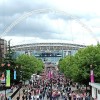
(92, 76)
(50, 74)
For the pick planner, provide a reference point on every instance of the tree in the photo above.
(86, 57)
(9, 64)
(77, 67)
(29, 65)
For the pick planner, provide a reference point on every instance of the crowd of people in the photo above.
(3, 95)
(55, 88)
(52, 90)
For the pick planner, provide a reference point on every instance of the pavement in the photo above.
(8, 92)
(20, 92)
(3, 91)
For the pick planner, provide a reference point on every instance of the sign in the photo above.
(7, 78)
(14, 74)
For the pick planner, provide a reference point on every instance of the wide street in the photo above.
(47, 83)
(54, 45)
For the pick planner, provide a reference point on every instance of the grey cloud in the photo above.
(1, 26)
(19, 6)
(11, 10)
(59, 15)
(35, 25)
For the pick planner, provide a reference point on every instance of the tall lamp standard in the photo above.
(91, 77)
(17, 69)
(20, 80)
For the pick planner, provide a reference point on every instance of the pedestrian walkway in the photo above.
(3, 91)
(19, 93)
(8, 92)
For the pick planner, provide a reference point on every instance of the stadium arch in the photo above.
(47, 10)
(47, 50)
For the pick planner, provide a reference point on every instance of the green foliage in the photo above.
(9, 60)
(77, 67)
(29, 65)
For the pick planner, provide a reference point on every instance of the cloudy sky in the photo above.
(31, 21)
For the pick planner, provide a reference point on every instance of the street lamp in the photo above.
(16, 69)
(91, 77)
(20, 79)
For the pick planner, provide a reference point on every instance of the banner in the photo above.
(92, 76)
(50, 74)
(7, 78)
(14, 74)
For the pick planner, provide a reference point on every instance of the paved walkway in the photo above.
(20, 92)
(10, 93)
(3, 91)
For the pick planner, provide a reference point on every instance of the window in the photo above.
(98, 91)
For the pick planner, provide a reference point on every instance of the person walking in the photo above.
(26, 97)
(40, 96)
(23, 97)
(23, 91)
(69, 96)
(29, 96)
(9, 98)
(43, 94)
(18, 98)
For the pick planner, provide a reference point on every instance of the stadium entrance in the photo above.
(48, 52)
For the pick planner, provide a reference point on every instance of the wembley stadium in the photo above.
(48, 52)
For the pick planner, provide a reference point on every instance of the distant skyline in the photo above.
(70, 21)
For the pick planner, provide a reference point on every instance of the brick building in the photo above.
(3, 48)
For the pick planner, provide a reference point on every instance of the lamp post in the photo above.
(91, 77)
(19, 90)
(20, 83)
(17, 69)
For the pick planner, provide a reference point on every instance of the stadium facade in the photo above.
(48, 52)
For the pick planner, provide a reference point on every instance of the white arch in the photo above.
(47, 10)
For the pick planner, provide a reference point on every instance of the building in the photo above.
(95, 90)
(48, 52)
(3, 48)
